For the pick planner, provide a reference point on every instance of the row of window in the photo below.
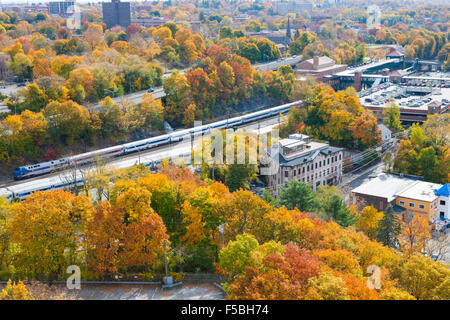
(412, 205)
(286, 173)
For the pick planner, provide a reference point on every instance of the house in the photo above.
(407, 194)
(443, 194)
(319, 67)
(299, 158)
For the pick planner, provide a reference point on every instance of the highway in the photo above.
(159, 93)
(274, 65)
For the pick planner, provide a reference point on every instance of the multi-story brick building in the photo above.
(312, 162)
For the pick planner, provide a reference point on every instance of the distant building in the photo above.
(312, 162)
(148, 22)
(284, 7)
(409, 196)
(281, 37)
(116, 13)
(60, 7)
(319, 67)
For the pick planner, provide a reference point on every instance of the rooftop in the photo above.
(384, 186)
(390, 186)
(444, 190)
(420, 190)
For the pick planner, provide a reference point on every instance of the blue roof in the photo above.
(443, 191)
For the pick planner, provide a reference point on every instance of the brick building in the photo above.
(409, 196)
(319, 67)
(316, 163)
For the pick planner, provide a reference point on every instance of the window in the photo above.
(295, 173)
(286, 174)
(303, 170)
(324, 162)
(441, 214)
(339, 157)
(316, 165)
(328, 162)
(421, 206)
(442, 202)
(411, 205)
(320, 163)
(402, 203)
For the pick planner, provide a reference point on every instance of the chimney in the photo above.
(316, 62)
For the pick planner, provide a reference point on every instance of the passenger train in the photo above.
(127, 148)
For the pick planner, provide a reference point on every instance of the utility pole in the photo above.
(165, 258)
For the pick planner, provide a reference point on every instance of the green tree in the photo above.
(35, 98)
(298, 194)
(336, 209)
(237, 176)
(428, 161)
(236, 255)
(388, 229)
(392, 117)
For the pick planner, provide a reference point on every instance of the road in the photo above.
(274, 65)
(159, 93)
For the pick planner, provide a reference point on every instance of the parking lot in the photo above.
(406, 96)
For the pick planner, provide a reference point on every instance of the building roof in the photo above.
(389, 186)
(444, 191)
(308, 156)
(420, 190)
(394, 53)
(384, 186)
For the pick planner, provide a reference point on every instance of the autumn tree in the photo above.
(414, 235)
(369, 220)
(50, 227)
